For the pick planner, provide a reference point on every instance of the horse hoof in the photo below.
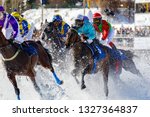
(60, 82)
(83, 87)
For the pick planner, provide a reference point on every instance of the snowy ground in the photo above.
(127, 88)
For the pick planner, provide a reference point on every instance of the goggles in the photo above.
(78, 22)
(97, 20)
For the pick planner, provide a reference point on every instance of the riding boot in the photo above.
(112, 46)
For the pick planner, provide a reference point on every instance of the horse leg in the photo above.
(74, 73)
(31, 74)
(129, 65)
(14, 83)
(105, 78)
(83, 74)
(45, 60)
(58, 81)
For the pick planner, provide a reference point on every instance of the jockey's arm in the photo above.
(14, 25)
(91, 32)
(25, 27)
(106, 29)
(65, 28)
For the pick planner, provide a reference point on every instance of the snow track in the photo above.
(127, 88)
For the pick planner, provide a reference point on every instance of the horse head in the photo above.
(72, 37)
(52, 35)
(3, 40)
(50, 32)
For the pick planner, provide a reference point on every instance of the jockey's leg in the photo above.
(26, 48)
(110, 37)
(112, 45)
(93, 44)
(12, 79)
(29, 49)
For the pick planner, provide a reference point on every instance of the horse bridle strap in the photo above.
(11, 58)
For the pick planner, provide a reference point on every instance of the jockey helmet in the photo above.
(97, 18)
(2, 9)
(80, 17)
(85, 18)
(97, 15)
(16, 15)
(79, 21)
(57, 18)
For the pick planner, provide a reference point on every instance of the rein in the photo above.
(11, 58)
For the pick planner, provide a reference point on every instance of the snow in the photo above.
(128, 87)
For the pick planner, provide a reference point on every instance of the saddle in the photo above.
(27, 48)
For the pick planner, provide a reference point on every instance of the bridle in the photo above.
(9, 46)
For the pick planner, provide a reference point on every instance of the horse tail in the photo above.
(46, 50)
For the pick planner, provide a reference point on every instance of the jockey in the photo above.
(26, 29)
(86, 31)
(62, 26)
(103, 27)
(10, 28)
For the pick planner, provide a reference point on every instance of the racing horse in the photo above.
(50, 34)
(115, 64)
(118, 62)
(83, 59)
(18, 62)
